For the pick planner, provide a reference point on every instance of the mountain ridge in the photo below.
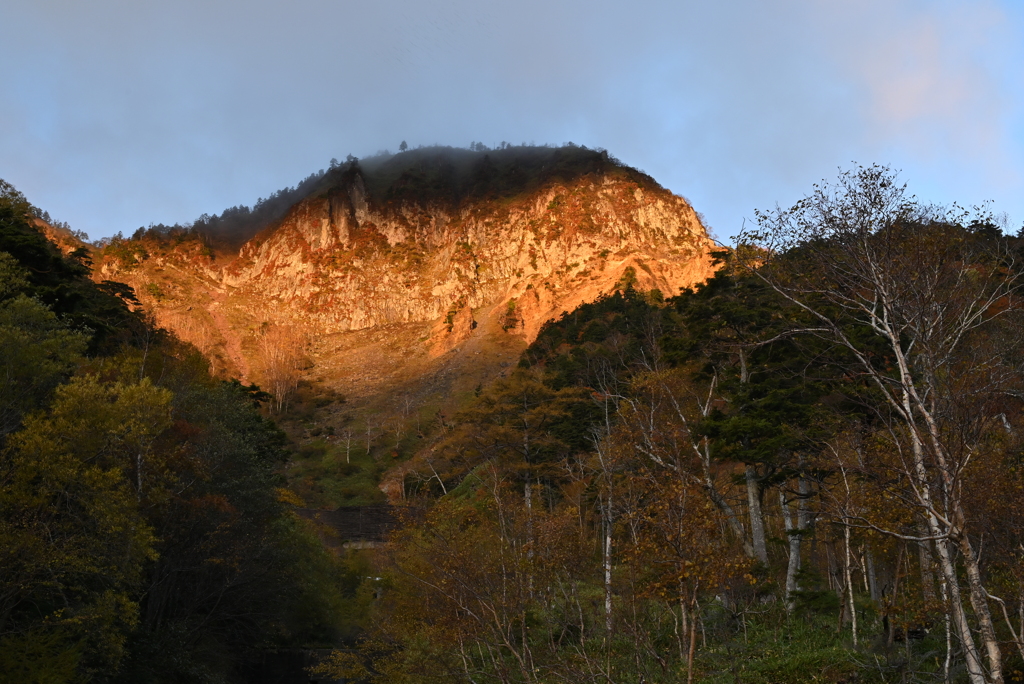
(415, 276)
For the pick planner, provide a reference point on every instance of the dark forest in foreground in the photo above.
(144, 534)
(808, 469)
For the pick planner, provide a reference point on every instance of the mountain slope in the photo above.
(388, 266)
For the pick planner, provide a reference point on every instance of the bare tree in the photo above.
(915, 301)
(346, 434)
(370, 429)
(281, 351)
(397, 428)
(659, 419)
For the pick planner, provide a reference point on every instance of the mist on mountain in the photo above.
(435, 173)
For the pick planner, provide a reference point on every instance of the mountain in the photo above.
(421, 272)
(641, 461)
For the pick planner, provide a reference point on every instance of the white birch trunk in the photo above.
(608, 567)
(849, 583)
(756, 517)
(794, 553)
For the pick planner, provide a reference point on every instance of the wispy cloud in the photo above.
(128, 113)
(934, 77)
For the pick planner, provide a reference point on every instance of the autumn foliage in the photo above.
(142, 532)
(810, 463)
(808, 468)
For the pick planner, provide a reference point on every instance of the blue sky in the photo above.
(115, 115)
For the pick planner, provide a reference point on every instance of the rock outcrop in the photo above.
(410, 244)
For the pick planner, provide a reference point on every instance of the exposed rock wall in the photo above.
(342, 266)
(342, 261)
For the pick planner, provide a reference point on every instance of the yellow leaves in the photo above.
(341, 665)
(38, 351)
(70, 526)
(287, 496)
(102, 419)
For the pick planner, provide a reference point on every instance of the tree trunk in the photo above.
(730, 515)
(794, 553)
(608, 566)
(949, 633)
(849, 581)
(528, 502)
(693, 647)
(979, 601)
(872, 575)
(940, 530)
(924, 557)
(753, 488)
(963, 629)
(756, 518)
(957, 535)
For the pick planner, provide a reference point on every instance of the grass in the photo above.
(320, 474)
(774, 649)
(767, 646)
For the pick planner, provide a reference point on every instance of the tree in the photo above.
(403, 147)
(62, 283)
(923, 308)
(73, 539)
(525, 426)
(143, 534)
(281, 353)
(733, 340)
(39, 352)
(215, 528)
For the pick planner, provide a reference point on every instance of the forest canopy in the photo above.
(143, 535)
(807, 468)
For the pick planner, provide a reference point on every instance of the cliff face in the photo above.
(340, 265)
(411, 252)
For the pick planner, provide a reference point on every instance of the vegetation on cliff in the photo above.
(436, 174)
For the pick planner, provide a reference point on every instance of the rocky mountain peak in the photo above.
(434, 247)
